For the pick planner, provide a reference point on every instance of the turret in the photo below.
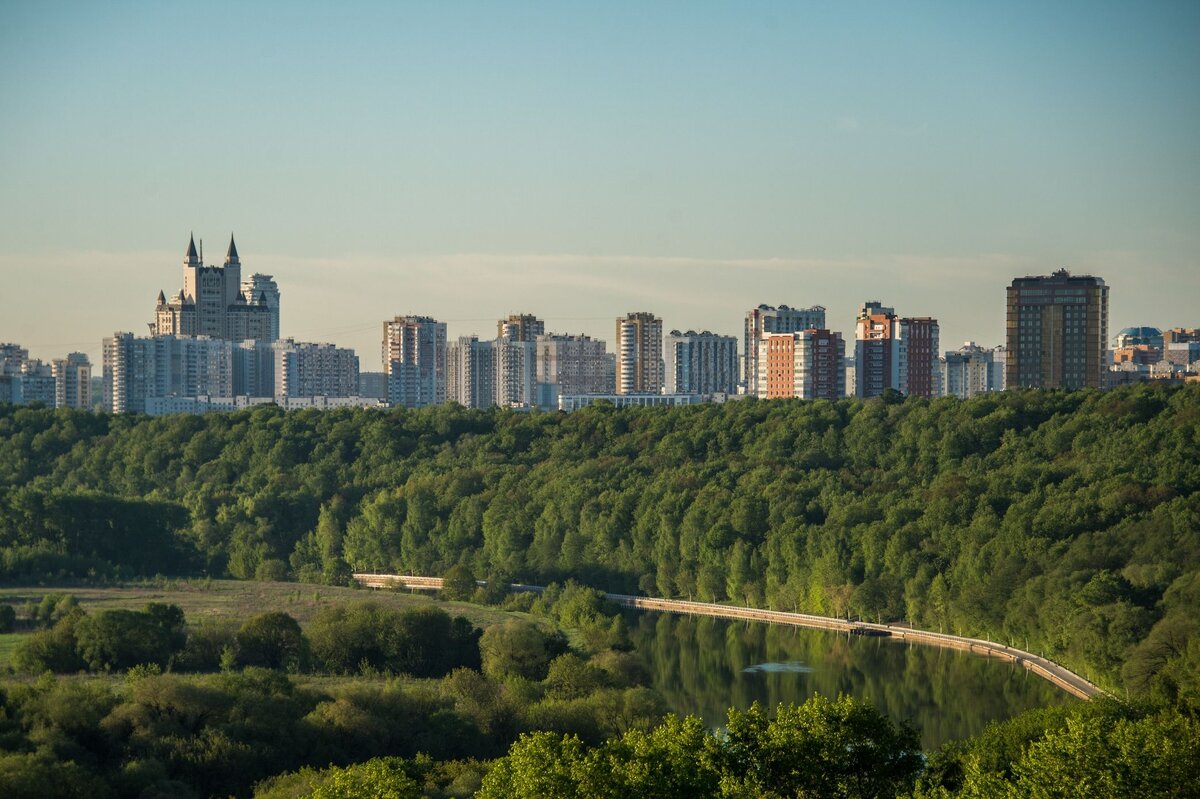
(231, 256)
(191, 259)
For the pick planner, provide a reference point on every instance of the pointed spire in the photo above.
(191, 252)
(231, 256)
(162, 298)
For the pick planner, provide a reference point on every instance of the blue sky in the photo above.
(579, 161)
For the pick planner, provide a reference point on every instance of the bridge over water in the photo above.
(1045, 668)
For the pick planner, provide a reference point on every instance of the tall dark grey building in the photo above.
(1057, 331)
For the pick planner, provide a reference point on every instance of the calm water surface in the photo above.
(703, 666)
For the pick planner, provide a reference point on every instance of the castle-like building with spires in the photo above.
(216, 302)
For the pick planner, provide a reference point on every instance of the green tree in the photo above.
(829, 748)
(458, 583)
(272, 640)
(516, 649)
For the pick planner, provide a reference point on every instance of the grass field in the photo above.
(232, 600)
(8, 642)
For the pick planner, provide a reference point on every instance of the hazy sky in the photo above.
(583, 160)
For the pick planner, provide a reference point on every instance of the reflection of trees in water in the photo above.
(697, 663)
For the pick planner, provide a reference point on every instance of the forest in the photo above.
(1065, 522)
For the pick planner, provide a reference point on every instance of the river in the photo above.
(705, 665)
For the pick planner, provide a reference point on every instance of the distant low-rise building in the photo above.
(568, 402)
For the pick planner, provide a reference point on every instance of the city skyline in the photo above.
(695, 161)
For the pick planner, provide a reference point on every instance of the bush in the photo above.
(119, 639)
(459, 583)
(8, 619)
(272, 641)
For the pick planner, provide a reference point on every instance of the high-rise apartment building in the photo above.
(809, 364)
(471, 372)
(520, 327)
(259, 289)
(414, 360)
(999, 374)
(516, 371)
(135, 369)
(701, 363)
(314, 370)
(967, 371)
(920, 349)
(483, 374)
(33, 383)
(768, 319)
(12, 358)
(213, 302)
(72, 381)
(1057, 331)
(568, 365)
(900, 353)
(639, 354)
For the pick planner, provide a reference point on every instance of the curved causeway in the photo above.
(1045, 668)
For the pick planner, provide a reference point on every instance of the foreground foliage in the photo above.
(835, 749)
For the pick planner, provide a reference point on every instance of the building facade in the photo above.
(72, 381)
(516, 372)
(809, 364)
(900, 353)
(701, 363)
(261, 290)
(572, 402)
(12, 358)
(136, 369)
(314, 370)
(967, 371)
(769, 319)
(1057, 331)
(414, 360)
(213, 302)
(471, 372)
(520, 327)
(571, 365)
(639, 354)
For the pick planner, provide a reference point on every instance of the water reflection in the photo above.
(704, 665)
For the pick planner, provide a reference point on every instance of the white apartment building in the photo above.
(639, 354)
(72, 381)
(314, 370)
(414, 360)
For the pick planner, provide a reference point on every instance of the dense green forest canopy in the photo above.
(1065, 521)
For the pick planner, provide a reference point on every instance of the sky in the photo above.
(580, 161)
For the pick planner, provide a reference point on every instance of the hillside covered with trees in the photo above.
(1067, 522)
